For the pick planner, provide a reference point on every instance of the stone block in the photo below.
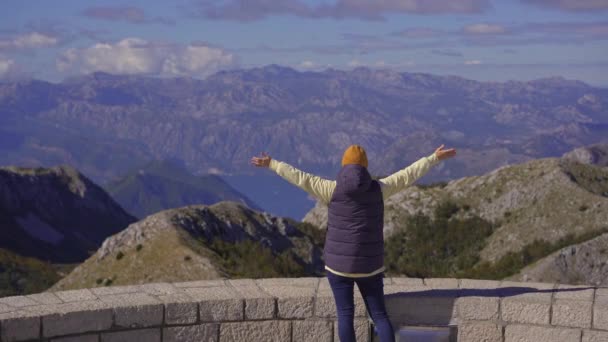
(198, 333)
(441, 283)
(473, 284)
(19, 326)
(410, 291)
(323, 285)
(76, 295)
(532, 307)
(572, 313)
(260, 308)
(389, 281)
(295, 307)
(402, 281)
(325, 305)
(258, 303)
(160, 289)
(530, 333)
(292, 301)
(479, 332)
(309, 282)
(81, 338)
(45, 298)
(602, 291)
(18, 301)
(362, 330)
(575, 292)
(179, 309)
(113, 290)
(217, 303)
(421, 310)
(135, 310)
(147, 335)
(312, 331)
(221, 310)
(527, 286)
(600, 310)
(477, 308)
(139, 316)
(261, 331)
(241, 282)
(201, 283)
(7, 308)
(595, 336)
(76, 318)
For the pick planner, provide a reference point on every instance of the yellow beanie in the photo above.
(355, 154)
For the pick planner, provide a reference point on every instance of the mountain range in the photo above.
(541, 220)
(106, 125)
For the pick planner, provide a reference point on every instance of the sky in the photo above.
(488, 40)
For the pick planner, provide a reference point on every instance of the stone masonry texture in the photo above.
(303, 309)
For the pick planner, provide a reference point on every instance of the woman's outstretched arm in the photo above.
(400, 180)
(320, 188)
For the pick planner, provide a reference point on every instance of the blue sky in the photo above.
(480, 39)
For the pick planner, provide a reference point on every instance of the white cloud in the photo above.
(6, 65)
(248, 10)
(472, 62)
(307, 65)
(355, 63)
(30, 40)
(380, 63)
(138, 56)
(10, 70)
(480, 29)
(573, 5)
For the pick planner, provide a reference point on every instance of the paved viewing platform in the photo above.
(302, 309)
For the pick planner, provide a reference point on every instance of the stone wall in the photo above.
(302, 309)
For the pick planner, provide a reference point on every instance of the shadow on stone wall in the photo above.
(443, 307)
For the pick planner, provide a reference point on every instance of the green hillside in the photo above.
(22, 275)
(198, 242)
(493, 225)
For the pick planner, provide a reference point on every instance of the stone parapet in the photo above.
(302, 309)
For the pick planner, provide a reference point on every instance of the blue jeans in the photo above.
(372, 290)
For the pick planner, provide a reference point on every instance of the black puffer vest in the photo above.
(355, 240)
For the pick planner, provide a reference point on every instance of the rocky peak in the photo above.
(228, 221)
(55, 213)
(594, 155)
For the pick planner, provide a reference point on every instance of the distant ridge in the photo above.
(106, 124)
(161, 185)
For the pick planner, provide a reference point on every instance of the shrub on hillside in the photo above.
(441, 246)
(21, 275)
(249, 259)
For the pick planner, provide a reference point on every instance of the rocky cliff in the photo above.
(584, 263)
(55, 214)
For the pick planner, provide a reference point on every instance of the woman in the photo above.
(354, 244)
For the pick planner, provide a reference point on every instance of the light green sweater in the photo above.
(322, 189)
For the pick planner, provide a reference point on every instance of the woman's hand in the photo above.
(262, 161)
(444, 154)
